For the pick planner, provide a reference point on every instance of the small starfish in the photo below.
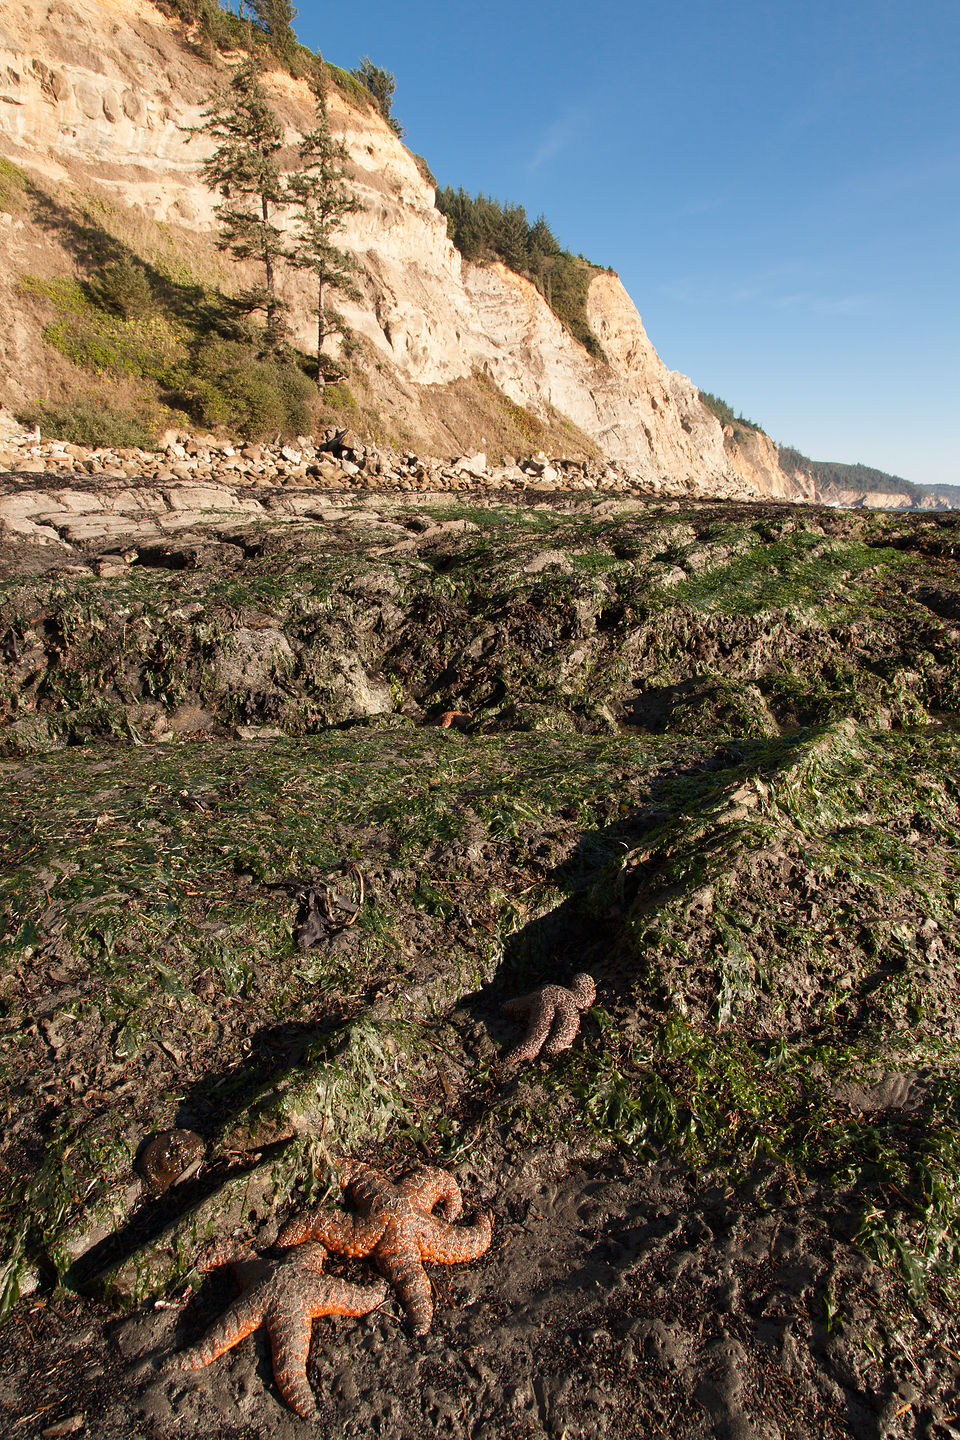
(552, 1011)
(448, 717)
(286, 1296)
(396, 1227)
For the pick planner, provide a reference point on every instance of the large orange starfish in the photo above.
(286, 1296)
(395, 1226)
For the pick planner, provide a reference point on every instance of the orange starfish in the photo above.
(286, 1296)
(396, 1227)
(448, 717)
(552, 1011)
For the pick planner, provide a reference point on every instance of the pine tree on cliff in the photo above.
(321, 200)
(382, 87)
(245, 169)
(275, 18)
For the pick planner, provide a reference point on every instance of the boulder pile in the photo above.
(338, 459)
(53, 492)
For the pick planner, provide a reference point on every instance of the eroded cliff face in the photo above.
(99, 96)
(755, 458)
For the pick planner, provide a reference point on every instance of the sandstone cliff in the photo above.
(754, 457)
(96, 99)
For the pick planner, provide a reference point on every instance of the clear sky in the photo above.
(777, 183)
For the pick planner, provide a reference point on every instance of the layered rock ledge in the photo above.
(138, 494)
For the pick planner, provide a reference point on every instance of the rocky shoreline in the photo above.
(144, 493)
(704, 752)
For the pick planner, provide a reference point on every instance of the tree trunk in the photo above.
(321, 335)
(272, 326)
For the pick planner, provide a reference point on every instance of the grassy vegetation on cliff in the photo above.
(215, 29)
(153, 314)
(483, 229)
(171, 348)
(13, 187)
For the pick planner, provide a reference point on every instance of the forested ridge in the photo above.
(857, 477)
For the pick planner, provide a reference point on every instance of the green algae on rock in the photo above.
(734, 801)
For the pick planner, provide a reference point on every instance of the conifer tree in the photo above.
(382, 87)
(275, 18)
(321, 200)
(245, 169)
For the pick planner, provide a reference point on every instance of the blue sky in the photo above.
(777, 184)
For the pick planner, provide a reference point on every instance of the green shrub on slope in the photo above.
(104, 341)
(230, 385)
(93, 420)
(13, 187)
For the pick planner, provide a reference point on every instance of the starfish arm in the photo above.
(366, 1187)
(246, 1267)
(289, 1331)
(565, 1026)
(240, 1320)
(223, 1252)
(400, 1263)
(541, 1018)
(584, 990)
(428, 1188)
(351, 1170)
(315, 1225)
(248, 1273)
(340, 1297)
(454, 1244)
(518, 1007)
(344, 1234)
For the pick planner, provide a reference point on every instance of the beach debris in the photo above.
(323, 910)
(170, 1157)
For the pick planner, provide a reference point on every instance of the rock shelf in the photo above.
(140, 494)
